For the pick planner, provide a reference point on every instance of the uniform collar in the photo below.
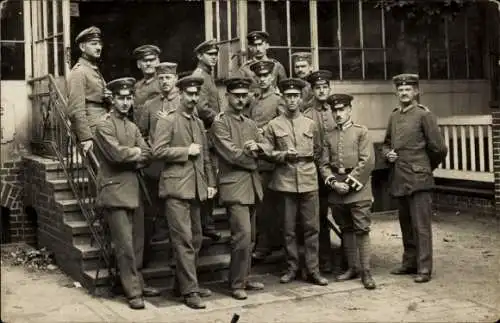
(172, 94)
(345, 125)
(118, 115)
(86, 62)
(321, 106)
(204, 67)
(270, 92)
(406, 109)
(148, 81)
(236, 116)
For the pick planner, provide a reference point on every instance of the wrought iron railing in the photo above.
(52, 131)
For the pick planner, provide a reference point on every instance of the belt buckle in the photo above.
(341, 171)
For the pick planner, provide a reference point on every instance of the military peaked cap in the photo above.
(91, 33)
(262, 67)
(302, 56)
(291, 85)
(123, 85)
(146, 50)
(207, 46)
(405, 79)
(256, 35)
(189, 81)
(319, 77)
(339, 101)
(238, 84)
(166, 68)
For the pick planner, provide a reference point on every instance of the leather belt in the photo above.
(341, 170)
(306, 159)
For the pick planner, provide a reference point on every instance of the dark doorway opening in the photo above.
(5, 225)
(175, 26)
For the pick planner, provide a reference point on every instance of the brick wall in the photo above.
(496, 156)
(11, 198)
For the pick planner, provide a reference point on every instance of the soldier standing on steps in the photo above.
(302, 68)
(122, 151)
(237, 142)
(187, 180)
(87, 93)
(319, 110)
(414, 147)
(346, 165)
(296, 143)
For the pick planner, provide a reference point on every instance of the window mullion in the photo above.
(313, 22)
(339, 38)
(466, 40)
(55, 44)
(361, 40)
(28, 32)
(66, 35)
(217, 16)
(44, 37)
(209, 20)
(288, 35)
(263, 14)
(447, 48)
(384, 45)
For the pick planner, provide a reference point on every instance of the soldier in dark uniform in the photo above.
(414, 147)
(262, 109)
(319, 110)
(302, 68)
(296, 143)
(121, 152)
(155, 108)
(208, 107)
(346, 165)
(237, 142)
(258, 44)
(186, 181)
(147, 57)
(86, 87)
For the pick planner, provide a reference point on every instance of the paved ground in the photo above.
(466, 287)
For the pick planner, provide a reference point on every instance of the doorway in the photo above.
(175, 27)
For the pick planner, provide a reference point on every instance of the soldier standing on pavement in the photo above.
(237, 142)
(265, 107)
(209, 106)
(414, 147)
(120, 147)
(302, 68)
(155, 223)
(296, 143)
(186, 181)
(346, 165)
(147, 57)
(258, 44)
(87, 91)
(319, 110)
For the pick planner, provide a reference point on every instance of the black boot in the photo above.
(367, 280)
(349, 240)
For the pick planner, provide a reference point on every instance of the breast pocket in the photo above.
(283, 140)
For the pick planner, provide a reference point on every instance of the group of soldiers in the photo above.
(283, 152)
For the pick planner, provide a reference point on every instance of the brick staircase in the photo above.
(63, 229)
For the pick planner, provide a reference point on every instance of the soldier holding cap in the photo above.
(302, 68)
(346, 165)
(155, 108)
(265, 107)
(296, 143)
(87, 91)
(121, 145)
(414, 147)
(258, 44)
(237, 143)
(186, 181)
(319, 110)
(147, 57)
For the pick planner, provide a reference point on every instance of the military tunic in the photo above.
(239, 187)
(152, 108)
(209, 104)
(85, 98)
(145, 89)
(278, 72)
(414, 135)
(184, 183)
(120, 147)
(297, 182)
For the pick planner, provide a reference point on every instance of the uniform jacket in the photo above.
(307, 96)
(238, 176)
(144, 90)
(279, 72)
(320, 112)
(85, 98)
(148, 119)
(301, 133)
(349, 146)
(414, 135)
(209, 104)
(183, 177)
(120, 145)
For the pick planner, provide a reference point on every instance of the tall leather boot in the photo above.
(350, 249)
(363, 242)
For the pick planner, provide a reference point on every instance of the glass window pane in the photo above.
(392, 30)
(276, 22)
(458, 64)
(300, 26)
(475, 23)
(349, 17)
(374, 64)
(50, 56)
(351, 65)
(49, 18)
(223, 20)
(329, 60)
(12, 20)
(438, 65)
(282, 56)
(59, 17)
(437, 37)
(372, 26)
(234, 18)
(12, 61)
(254, 15)
(422, 63)
(60, 55)
(327, 23)
(394, 62)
